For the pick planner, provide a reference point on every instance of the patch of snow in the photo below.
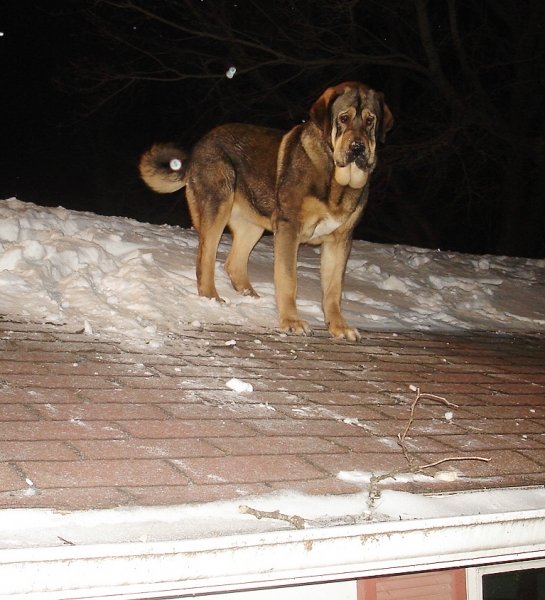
(33, 528)
(113, 276)
(239, 386)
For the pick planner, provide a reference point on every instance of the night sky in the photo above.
(35, 48)
(59, 148)
(54, 147)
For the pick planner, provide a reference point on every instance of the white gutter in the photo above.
(163, 569)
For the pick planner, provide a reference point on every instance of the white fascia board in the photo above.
(166, 569)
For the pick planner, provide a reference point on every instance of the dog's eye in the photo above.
(344, 119)
(369, 121)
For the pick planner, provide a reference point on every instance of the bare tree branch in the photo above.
(464, 79)
(435, 68)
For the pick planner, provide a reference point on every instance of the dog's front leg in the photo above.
(286, 246)
(333, 265)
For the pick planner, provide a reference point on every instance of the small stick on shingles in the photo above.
(401, 436)
(67, 542)
(297, 522)
(444, 460)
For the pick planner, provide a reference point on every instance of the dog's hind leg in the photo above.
(209, 221)
(245, 237)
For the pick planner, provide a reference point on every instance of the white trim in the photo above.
(474, 576)
(160, 570)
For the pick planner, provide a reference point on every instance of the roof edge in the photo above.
(155, 570)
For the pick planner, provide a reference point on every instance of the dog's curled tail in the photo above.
(162, 168)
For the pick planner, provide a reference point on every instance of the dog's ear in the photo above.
(387, 120)
(320, 112)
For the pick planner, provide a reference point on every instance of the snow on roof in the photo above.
(118, 276)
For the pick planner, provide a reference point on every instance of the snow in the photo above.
(116, 277)
(113, 276)
(30, 528)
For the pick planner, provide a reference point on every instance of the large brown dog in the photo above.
(309, 185)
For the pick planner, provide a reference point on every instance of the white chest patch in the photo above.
(325, 227)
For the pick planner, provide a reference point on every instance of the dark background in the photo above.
(87, 85)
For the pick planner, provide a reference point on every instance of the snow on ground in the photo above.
(117, 277)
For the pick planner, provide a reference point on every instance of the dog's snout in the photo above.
(357, 147)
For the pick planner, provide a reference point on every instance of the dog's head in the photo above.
(352, 117)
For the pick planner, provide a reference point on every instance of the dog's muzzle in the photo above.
(359, 153)
(354, 167)
(357, 148)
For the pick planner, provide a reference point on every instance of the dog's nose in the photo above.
(357, 147)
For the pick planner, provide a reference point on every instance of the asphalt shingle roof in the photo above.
(87, 422)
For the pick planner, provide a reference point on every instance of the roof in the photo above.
(88, 422)
(94, 423)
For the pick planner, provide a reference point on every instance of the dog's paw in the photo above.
(210, 293)
(218, 299)
(249, 292)
(295, 326)
(345, 333)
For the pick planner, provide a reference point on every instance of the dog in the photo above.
(308, 186)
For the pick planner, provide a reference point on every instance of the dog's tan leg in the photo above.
(209, 238)
(245, 237)
(333, 265)
(286, 246)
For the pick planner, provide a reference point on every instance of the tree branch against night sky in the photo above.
(463, 168)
